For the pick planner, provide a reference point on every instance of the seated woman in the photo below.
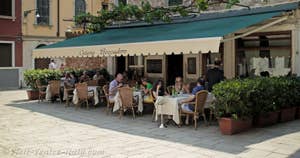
(97, 76)
(184, 103)
(146, 88)
(186, 88)
(158, 89)
(178, 84)
(84, 77)
(69, 79)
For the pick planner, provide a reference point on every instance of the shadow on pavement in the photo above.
(205, 137)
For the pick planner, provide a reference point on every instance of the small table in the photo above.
(168, 105)
(90, 88)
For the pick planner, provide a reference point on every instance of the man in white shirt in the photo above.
(52, 65)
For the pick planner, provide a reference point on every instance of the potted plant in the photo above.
(296, 98)
(30, 77)
(265, 110)
(286, 98)
(232, 107)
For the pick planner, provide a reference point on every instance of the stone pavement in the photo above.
(31, 129)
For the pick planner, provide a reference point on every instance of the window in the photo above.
(43, 9)
(104, 6)
(6, 55)
(175, 2)
(80, 7)
(6, 8)
(154, 66)
(191, 66)
(124, 2)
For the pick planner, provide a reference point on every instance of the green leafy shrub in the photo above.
(239, 98)
(45, 75)
(231, 99)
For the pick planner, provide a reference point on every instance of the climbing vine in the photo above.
(145, 12)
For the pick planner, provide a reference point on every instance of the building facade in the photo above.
(275, 47)
(46, 21)
(10, 43)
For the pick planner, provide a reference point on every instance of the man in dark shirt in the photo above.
(214, 75)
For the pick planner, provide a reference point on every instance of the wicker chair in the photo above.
(42, 90)
(109, 104)
(83, 94)
(68, 92)
(55, 89)
(154, 109)
(199, 107)
(126, 97)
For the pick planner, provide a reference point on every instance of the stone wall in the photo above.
(86, 63)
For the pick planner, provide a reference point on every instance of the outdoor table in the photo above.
(118, 102)
(169, 105)
(90, 88)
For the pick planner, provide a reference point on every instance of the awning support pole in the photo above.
(257, 29)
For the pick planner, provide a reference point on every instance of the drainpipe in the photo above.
(58, 18)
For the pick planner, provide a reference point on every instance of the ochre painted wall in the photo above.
(67, 12)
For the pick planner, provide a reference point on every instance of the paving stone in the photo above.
(51, 130)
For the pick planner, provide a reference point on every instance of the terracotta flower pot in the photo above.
(266, 119)
(32, 94)
(287, 114)
(230, 126)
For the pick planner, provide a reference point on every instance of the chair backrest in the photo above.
(126, 95)
(54, 87)
(200, 100)
(106, 93)
(38, 84)
(153, 96)
(92, 82)
(82, 90)
(102, 82)
(132, 83)
(169, 89)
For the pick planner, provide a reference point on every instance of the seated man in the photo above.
(114, 85)
(199, 87)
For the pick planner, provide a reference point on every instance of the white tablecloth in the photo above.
(118, 102)
(209, 100)
(90, 88)
(168, 105)
(48, 93)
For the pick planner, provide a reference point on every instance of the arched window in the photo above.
(43, 10)
(80, 7)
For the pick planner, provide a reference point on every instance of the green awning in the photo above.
(157, 39)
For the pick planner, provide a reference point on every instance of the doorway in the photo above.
(121, 64)
(174, 68)
(41, 63)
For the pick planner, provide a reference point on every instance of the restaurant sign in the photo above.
(102, 52)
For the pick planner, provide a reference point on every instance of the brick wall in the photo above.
(86, 63)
